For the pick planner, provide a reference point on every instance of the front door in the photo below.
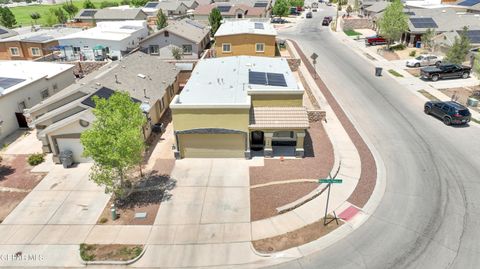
(257, 140)
(22, 121)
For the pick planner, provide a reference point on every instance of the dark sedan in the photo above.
(450, 112)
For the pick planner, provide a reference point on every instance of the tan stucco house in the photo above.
(61, 119)
(245, 37)
(238, 107)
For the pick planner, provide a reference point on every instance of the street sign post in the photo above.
(330, 181)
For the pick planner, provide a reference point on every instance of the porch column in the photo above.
(299, 150)
(268, 151)
(247, 146)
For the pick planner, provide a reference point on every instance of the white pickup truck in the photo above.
(314, 6)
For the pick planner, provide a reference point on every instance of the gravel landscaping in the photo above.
(109, 252)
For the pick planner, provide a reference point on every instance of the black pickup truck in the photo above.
(435, 73)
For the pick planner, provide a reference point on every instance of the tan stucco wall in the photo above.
(278, 100)
(211, 145)
(234, 119)
(24, 49)
(244, 44)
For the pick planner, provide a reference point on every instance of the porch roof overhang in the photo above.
(278, 118)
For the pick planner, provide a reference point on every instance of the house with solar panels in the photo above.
(32, 45)
(24, 84)
(110, 14)
(232, 10)
(238, 107)
(108, 40)
(245, 37)
(169, 8)
(5, 32)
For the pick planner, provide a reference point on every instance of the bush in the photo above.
(105, 4)
(398, 47)
(413, 53)
(103, 220)
(35, 159)
(84, 252)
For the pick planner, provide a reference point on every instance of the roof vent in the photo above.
(98, 84)
(141, 76)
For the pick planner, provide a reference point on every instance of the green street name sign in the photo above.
(327, 180)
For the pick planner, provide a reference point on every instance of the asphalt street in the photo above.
(429, 216)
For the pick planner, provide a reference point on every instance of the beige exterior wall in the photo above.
(211, 145)
(244, 44)
(234, 119)
(277, 100)
(25, 49)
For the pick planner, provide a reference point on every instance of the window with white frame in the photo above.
(227, 47)
(260, 47)
(154, 49)
(76, 50)
(187, 49)
(14, 51)
(35, 51)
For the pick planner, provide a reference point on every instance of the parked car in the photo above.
(450, 112)
(279, 20)
(424, 60)
(314, 6)
(294, 11)
(375, 40)
(329, 18)
(325, 22)
(328, 3)
(435, 73)
(309, 15)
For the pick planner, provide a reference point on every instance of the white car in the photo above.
(424, 60)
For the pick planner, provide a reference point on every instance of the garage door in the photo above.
(212, 145)
(75, 146)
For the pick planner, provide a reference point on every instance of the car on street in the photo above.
(441, 71)
(328, 18)
(279, 20)
(328, 3)
(424, 60)
(375, 40)
(325, 22)
(314, 6)
(449, 112)
(309, 15)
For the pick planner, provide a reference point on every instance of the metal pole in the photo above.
(326, 206)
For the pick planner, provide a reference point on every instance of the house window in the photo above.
(260, 47)
(283, 134)
(14, 52)
(162, 104)
(35, 52)
(85, 47)
(187, 49)
(154, 49)
(22, 106)
(45, 94)
(76, 50)
(227, 47)
(165, 34)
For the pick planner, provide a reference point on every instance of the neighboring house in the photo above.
(245, 37)
(32, 45)
(188, 35)
(24, 84)
(446, 39)
(234, 105)
(110, 14)
(229, 11)
(172, 8)
(191, 4)
(107, 40)
(375, 9)
(5, 32)
(61, 119)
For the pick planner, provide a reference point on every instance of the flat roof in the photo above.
(17, 74)
(43, 35)
(235, 27)
(227, 81)
(109, 30)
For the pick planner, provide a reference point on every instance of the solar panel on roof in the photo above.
(469, 3)
(2, 31)
(270, 79)
(6, 83)
(474, 36)
(258, 78)
(276, 79)
(260, 4)
(259, 25)
(151, 5)
(88, 13)
(423, 23)
(103, 93)
(223, 9)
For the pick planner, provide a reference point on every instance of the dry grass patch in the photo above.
(428, 95)
(109, 252)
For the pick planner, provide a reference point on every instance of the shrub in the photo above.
(105, 4)
(35, 159)
(412, 53)
(395, 73)
(103, 220)
(398, 47)
(84, 252)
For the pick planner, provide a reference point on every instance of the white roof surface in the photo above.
(235, 27)
(28, 72)
(109, 30)
(225, 81)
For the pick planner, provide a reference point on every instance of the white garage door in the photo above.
(75, 146)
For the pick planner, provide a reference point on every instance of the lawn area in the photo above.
(395, 73)
(22, 14)
(351, 32)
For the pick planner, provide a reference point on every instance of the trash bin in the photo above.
(378, 71)
(418, 44)
(472, 102)
(66, 158)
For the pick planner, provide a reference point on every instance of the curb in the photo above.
(114, 262)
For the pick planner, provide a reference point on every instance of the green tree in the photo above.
(114, 142)
(59, 14)
(138, 3)
(215, 19)
(88, 4)
(458, 51)
(356, 5)
(35, 16)
(71, 9)
(177, 53)
(125, 2)
(476, 65)
(105, 4)
(427, 38)
(297, 3)
(7, 18)
(161, 20)
(349, 10)
(393, 22)
(281, 8)
(50, 18)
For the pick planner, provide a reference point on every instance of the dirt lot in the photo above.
(463, 94)
(16, 181)
(298, 237)
(413, 71)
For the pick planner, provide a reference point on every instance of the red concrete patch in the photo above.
(348, 213)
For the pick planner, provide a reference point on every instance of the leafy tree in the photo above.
(161, 20)
(281, 8)
(459, 50)
(394, 22)
(177, 53)
(35, 16)
(138, 3)
(114, 142)
(476, 65)
(7, 18)
(356, 5)
(88, 4)
(427, 38)
(215, 19)
(59, 14)
(71, 9)
(297, 3)
(349, 10)
(125, 2)
(50, 18)
(105, 4)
